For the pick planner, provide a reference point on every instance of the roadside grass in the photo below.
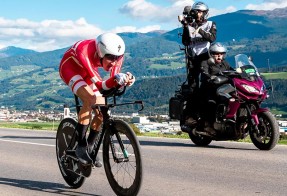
(31, 125)
(275, 75)
(50, 126)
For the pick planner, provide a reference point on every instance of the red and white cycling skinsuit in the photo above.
(79, 67)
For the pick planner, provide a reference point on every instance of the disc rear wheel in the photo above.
(65, 138)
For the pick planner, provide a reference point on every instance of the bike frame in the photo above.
(107, 121)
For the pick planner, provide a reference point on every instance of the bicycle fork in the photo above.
(122, 147)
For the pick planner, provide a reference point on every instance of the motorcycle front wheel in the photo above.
(268, 132)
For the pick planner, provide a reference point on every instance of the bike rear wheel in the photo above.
(124, 173)
(65, 138)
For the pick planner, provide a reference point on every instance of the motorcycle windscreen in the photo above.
(247, 68)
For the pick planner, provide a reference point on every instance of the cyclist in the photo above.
(79, 70)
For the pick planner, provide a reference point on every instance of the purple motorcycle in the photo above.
(238, 111)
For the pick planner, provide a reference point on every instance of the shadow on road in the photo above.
(47, 187)
(160, 143)
(191, 145)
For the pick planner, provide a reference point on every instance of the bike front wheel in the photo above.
(122, 159)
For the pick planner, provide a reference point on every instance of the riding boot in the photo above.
(92, 141)
(81, 151)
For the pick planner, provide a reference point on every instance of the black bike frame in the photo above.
(107, 122)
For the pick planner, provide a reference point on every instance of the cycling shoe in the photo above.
(83, 156)
(98, 162)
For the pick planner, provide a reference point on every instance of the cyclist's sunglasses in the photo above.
(112, 57)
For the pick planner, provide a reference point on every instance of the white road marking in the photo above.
(28, 143)
(31, 143)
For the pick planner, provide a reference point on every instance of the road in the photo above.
(28, 166)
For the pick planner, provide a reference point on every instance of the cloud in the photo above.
(146, 11)
(267, 5)
(215, 12)
(53, 34)
(44, 35)
(134, 29)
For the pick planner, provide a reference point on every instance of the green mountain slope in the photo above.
(31, 81)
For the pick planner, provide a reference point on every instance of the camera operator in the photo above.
(198, 34)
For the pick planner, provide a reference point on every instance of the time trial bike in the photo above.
(120, 149)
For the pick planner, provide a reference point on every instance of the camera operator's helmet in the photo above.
(202, 7)
(217, 47)
(110, 43)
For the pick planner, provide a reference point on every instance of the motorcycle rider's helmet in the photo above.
(110, 43)
(217, 47)
(202, 7)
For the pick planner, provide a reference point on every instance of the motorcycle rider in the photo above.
(198, 34)
(79, 70)
(211, 69)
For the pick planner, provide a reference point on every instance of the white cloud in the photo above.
(53, 34)
(144, 10)
(44, 35)
(215, 12)
(267, 5)
(134, 29)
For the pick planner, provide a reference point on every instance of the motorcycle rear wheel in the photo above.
(268, 135)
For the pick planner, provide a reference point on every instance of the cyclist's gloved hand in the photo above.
(121, 78)
(131, 79)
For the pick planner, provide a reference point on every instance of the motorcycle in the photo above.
(239, 115)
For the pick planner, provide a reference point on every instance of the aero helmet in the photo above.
(110, 43)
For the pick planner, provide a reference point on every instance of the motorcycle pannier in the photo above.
(175, 108)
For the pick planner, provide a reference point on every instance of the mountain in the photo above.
(31, 81)
(132, 38)
(14, 51)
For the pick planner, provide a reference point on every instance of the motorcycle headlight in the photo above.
(250, 89)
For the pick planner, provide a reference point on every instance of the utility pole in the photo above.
(268, 65)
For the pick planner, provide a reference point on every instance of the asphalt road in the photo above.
(28, 166)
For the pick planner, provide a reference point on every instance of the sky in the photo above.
(45, 25)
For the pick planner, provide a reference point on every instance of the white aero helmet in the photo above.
(110, 43)
(202, 7)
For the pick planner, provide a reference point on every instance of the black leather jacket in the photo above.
(211, 69)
